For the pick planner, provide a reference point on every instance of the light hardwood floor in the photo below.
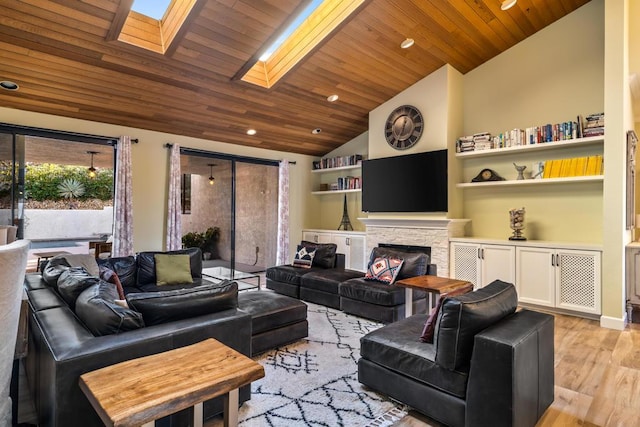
(597, 377)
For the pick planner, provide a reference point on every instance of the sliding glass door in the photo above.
(237, 198)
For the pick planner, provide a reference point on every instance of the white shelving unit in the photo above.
(356, 190)
(356, 168)
(521, 149)
(342, 168)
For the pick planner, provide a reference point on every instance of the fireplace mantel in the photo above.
(437, 223)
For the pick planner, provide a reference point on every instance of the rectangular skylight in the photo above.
(290, 29)
(152, 8)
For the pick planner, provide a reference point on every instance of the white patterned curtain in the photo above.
(174, 209)
(123, 201)
(282, 254)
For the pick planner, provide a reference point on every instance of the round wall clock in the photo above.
(404, 127)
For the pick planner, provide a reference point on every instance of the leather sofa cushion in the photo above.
(147, 266)
(288, 273)
(395, 347)
(34, 281)
(462, 317)
(96, 308)
(167, 306)
(43, 299)
(270, 311)
(325, 253)
(328, 280)
(377, 293)
(126, 268)
(53, 269)
(72, 282)
(415, 263)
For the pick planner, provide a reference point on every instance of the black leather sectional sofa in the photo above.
(328, 283)
(65, 342)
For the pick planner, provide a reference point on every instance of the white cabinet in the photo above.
(351, 244)
(481, 264)
(561, 278)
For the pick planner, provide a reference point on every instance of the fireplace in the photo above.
(407, 248)
(431, 233)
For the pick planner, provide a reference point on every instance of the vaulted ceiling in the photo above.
(64, 57)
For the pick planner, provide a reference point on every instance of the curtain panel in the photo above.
(123, 201)
(282, 251)
(174, 208)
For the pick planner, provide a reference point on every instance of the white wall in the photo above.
(150, 169)
(44, 224)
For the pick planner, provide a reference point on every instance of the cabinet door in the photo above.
(357, 257)
(535, 275)
(316, 237)
(465, 262)
(498, 263)
(578, 280)
(342, 247)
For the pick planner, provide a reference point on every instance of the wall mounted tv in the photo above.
(410, 183)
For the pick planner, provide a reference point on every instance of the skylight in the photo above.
(307, 30)
(290, 29)
(152, 8)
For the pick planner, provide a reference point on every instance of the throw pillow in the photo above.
(430, 325)
(384, 270)
(304, 257)
(108, 275)
(172, 269)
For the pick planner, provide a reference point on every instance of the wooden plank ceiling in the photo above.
(66, 63)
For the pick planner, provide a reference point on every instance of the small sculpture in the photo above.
(538, 170)
(520, 170)
(517, 223)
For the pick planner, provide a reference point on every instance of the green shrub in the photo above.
(43, 180)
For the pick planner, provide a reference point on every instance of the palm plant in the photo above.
(70, 189)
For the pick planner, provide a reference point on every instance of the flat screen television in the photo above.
(410, 183)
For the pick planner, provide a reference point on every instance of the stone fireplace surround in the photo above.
(417, 232)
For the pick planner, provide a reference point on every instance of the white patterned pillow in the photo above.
(304, 257)
(384, 270)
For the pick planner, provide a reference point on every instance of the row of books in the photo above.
(338, 162)
(343, 183)
(593, 125)
(576, 166)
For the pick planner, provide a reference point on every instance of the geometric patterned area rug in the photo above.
(314, 382)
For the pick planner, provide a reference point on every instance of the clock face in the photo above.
(404, 127)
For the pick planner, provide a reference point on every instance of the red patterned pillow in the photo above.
(384, 270)
(430, 326)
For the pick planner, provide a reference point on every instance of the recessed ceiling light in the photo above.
(6, 84)
(508, 4)
(251, 132)
(316, 131)
(332, 98)
(407, 43)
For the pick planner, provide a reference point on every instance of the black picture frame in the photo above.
(185, 194)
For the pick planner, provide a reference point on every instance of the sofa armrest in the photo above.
(511, 377)
(340, 261)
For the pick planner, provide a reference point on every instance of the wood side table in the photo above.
(139, 391)
(434, 285)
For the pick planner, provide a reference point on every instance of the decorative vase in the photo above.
(516, 222)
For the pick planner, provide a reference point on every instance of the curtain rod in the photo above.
(222, 155)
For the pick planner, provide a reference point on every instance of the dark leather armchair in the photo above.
(487, 366)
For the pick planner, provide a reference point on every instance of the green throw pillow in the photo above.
(172, 269)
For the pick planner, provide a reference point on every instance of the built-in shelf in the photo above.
(341, 168)
(357, 190)
(516, 182)
(592, 140)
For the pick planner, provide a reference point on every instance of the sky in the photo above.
(153, 8)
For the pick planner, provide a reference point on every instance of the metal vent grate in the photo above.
(465, 263)
(576, 280)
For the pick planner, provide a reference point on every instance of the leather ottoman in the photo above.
(276, 319)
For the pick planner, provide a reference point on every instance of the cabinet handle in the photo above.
(553, 260)
(315, 238)
(479, 255)
(348, 242)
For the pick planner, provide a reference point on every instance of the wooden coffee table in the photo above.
(139, 391)
(434, 285)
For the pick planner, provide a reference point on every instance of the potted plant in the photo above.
(206, 241)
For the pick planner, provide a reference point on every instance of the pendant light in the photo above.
(92, 170)
(211, 178)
